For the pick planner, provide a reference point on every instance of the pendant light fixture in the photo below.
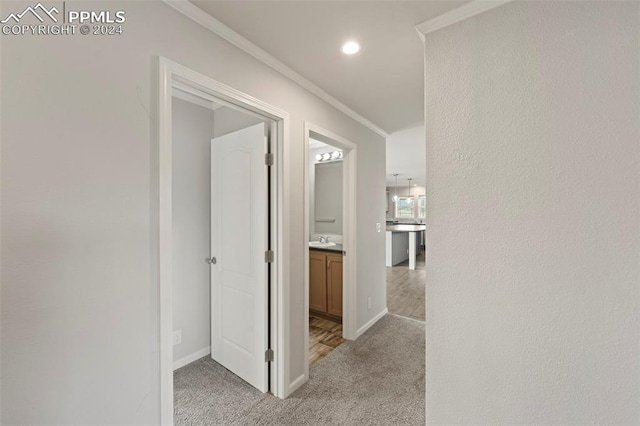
(409, 195)
(395, 189)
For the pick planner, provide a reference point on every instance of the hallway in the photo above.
(405, 289)
(375, 380)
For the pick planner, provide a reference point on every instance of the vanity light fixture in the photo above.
(327, 156)
(350, 48)
(395, 189)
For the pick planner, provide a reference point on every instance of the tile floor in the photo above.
(324, 336)
(405, 289)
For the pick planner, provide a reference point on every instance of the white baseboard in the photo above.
(407, 318)
(190, 358)
(301, 380)
(361, 330)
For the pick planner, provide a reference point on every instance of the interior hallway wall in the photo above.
(79, 306)
(533, 176)
(193, 129)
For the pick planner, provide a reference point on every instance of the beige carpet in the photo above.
(376, 380)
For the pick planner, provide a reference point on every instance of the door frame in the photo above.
(171, 74)
(349, 202)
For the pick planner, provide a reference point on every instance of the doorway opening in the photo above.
(220, 219)
(330, 249)
(405, 246)
(325, 249)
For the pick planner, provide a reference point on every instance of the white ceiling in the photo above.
(383, 83)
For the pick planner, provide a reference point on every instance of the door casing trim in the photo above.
(170, 73)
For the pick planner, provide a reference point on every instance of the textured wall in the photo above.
(533, 166)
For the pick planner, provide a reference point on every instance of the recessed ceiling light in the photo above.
(350, 47)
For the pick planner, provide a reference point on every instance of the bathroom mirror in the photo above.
(328, 198)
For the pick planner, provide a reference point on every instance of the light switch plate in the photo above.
(378, 227)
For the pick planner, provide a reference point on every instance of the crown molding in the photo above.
(460, 14)
(201, 17)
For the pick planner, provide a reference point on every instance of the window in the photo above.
(404, 207)
(422, 206)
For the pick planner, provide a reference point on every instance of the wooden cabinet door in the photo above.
(334, 285)
(317, 281)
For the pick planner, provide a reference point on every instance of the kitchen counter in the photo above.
(403, 242)
(335, 249)
(406, 227)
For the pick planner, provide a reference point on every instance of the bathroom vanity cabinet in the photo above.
(325, 284)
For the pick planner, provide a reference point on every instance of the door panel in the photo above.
(334, 285)
(317, 281)
(239, 278)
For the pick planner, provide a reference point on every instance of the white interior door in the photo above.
(239, 227)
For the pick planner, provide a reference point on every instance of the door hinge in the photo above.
(269, 256)
(268, 355)
(268, 159)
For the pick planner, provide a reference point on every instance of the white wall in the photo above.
(371, 270)
(533, 176)
(79, 211)
(405, 155)
(192, 131)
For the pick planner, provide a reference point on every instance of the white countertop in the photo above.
(406, 227)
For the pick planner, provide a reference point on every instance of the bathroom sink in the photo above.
(319, 244)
